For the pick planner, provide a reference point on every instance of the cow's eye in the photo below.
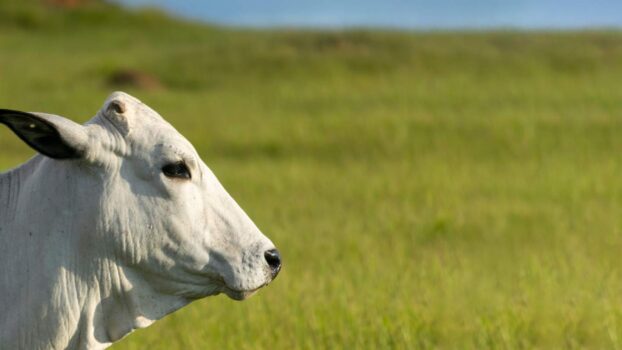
(177, 170)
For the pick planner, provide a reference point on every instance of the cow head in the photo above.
(160, 211)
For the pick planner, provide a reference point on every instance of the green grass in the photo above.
(427, 190)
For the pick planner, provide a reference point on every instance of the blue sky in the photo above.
(414, 14)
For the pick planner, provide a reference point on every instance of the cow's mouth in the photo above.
(233, 293)
(237, 294)
(240, 294)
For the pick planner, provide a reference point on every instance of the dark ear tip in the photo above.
(116, 107)
(39, 133)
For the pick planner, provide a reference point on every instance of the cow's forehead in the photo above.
(160, 139)
(144, 130)
(156, 136)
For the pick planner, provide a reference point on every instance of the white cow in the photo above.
(119, 224)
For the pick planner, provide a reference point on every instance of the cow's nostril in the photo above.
(274, 260)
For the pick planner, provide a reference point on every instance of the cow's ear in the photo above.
(50, 135)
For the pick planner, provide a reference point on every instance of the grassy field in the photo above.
(427, 190)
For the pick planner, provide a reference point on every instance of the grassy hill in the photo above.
(427, 190)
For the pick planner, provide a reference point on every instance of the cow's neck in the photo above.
(119, 301)
(72, 293)
(10, 188)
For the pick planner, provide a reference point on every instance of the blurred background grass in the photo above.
(427, 190)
